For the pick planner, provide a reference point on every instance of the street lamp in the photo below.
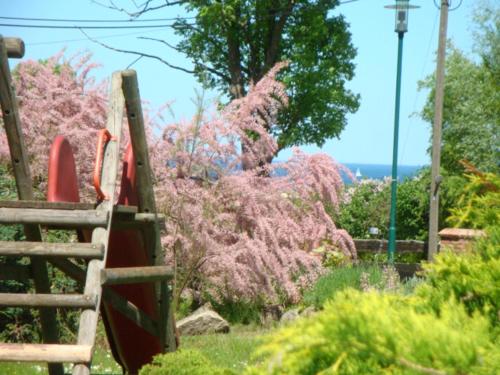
(402, 8)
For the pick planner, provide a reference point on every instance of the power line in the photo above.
(83, 27)
(94, 21)
(97, 38)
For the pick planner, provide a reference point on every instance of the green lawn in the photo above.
(232, 350)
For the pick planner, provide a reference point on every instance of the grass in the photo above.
(232, 350)
(339, 279)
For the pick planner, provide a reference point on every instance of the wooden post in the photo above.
(436, 134)
(146, 196)
(20, 166)
(89, 318)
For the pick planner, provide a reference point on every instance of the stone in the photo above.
(308, 311)
(289, 316)
(202, 321)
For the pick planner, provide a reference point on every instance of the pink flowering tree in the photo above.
(245, 235)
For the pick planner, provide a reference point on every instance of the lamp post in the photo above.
(402, 8)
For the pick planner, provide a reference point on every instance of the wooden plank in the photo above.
(135, 275)
(139, 221)
(15, 272)
(131, 311)
(119, 208)
(60, 218)
(402, 246)
(45, 353)
(46, 249)
(15, 47)
(144, 181)
(48, 205)
(22, 174)
(47, 300)
(89, 318)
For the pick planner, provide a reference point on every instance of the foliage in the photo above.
(242, 40)
(339, 279)
(472, 278)
(367, 203)
(58, 96)
(479, 204)
(183, 362)
(245, 236)
(472, 100)
(373, 333)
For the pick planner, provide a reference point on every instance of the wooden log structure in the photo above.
(51, 353)
(47, 249)
(135, 275)
(15, 47)
(47, 300)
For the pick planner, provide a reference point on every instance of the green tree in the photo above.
(234, 43)
(471, 116)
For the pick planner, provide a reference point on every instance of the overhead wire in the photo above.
(135, 20)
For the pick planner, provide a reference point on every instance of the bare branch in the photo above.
(197, 64)
(160, 41)
(139, 54)
(142, 8)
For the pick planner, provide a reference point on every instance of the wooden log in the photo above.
(15, 47)
(131, 311)
(15, 272)
(135, 275)
(46, 249)
(22, 174)
(45, 353)
(60, 218)
(89, 318)
(47, 300)
(48, 205)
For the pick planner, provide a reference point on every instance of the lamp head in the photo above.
(402, 8)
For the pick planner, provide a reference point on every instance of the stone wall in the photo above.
(459, 239)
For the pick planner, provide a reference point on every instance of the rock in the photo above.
(308, 311)
(270, 314)
(202, 321)
(289, 316)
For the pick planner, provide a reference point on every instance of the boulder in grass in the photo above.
(289, 316)
(202, 321)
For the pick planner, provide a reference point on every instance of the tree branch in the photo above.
(139, 54)
(145, 7)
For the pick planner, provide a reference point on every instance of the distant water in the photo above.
(379, 171)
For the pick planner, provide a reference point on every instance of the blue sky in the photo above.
(368, 136)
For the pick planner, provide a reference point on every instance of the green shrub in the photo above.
(367, 205)
(339, 279)
(183, 362)
(472, 277)
(479, 204)
(374, 333)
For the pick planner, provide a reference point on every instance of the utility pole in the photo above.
(436, 178)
